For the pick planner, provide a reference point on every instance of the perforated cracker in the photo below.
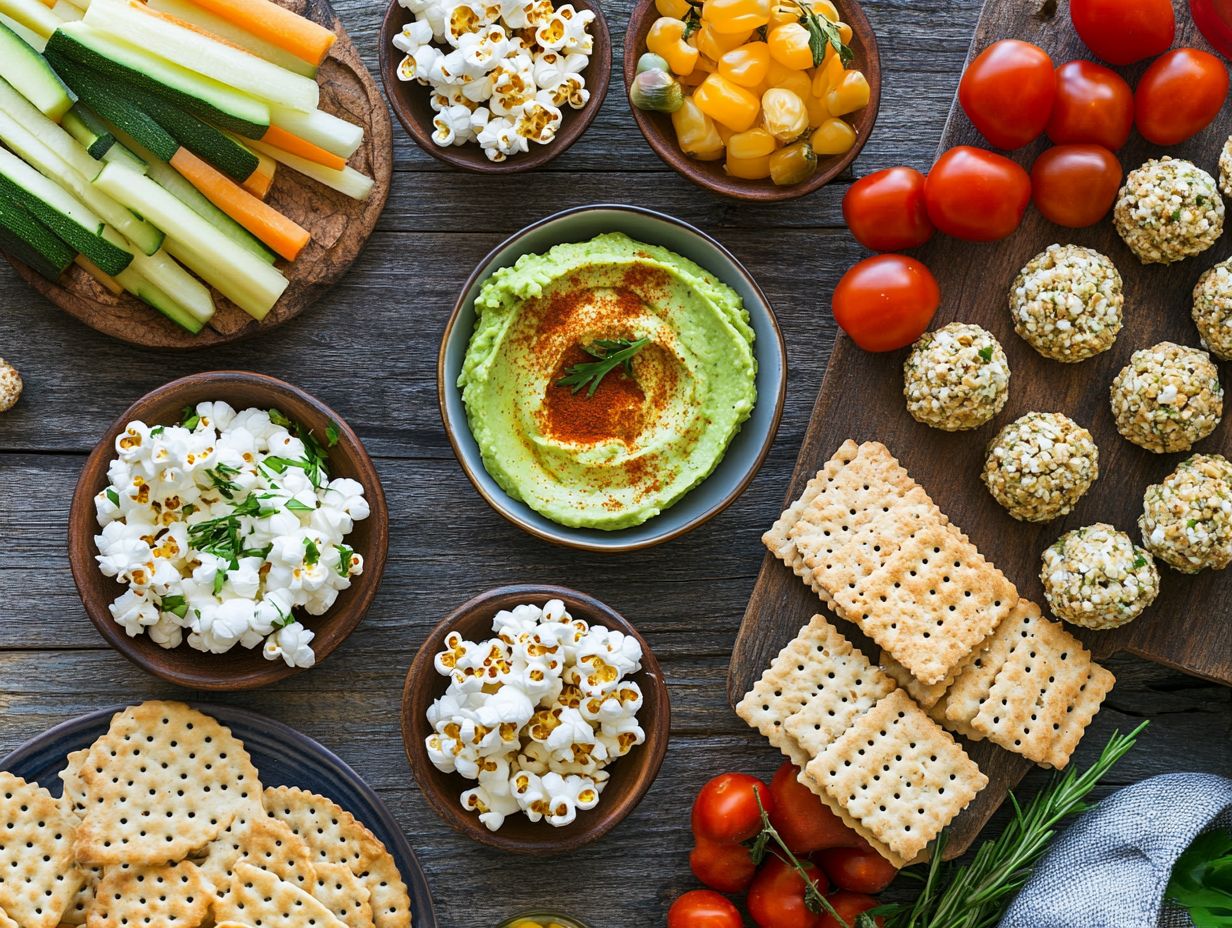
(1044, 696)
(800, 672)
(163, 782)
(264, 842)
(932, 602)
(926, 696)
(388, 895)
(340, 891)
(259, 899)
(6, 922)
(38, 878)
(83, 901)
(165, 896)
(849, 687)
(899, 774)
(74, 794)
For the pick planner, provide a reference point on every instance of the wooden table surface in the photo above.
(370, 351)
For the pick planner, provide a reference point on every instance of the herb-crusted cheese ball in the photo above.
(1097, 578)
(1039, 466)
(1169, 210)
(1167, 397)
(956, 378)
(1067, 302)
(1187, 520)
(1225, 168)
(10, 386)
(1212, 309)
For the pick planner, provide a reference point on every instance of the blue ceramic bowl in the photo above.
(746, 452)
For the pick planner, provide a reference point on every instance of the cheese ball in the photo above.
(1186, 521)
(1225, 168)
(10, 386)
(1167, 397)
(956, 378)
(1169, 210)
(1067, 302)
(1096, 577)
(1039, 466)
(1212, 309)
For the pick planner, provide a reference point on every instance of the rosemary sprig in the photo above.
(612, 353)
(822, 32)
(975, 895)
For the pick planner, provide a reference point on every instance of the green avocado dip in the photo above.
(606, 379)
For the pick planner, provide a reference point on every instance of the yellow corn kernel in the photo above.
(746, 65)
(724, 133)
(845, 32)
(789, 46)
(728, 16)
(696, 133)
(676, 9)
(798, 82)
(818, 112)
(827, 76)
(793, 164)
(703, 68)
(787, 11)
(666, 38)
(784, 114)
(826, 9)
(849, 94)
(756, 143)
(715, 45)
(748, 168)
(727, 103)
(833, 137)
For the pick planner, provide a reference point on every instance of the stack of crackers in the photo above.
(164, 822)
(969, 654)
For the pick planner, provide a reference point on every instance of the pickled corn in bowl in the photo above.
(765, 86)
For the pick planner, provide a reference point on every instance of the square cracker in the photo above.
(927, 696)
(38, 879)
(806, 668)
(932, 602)
(849, 687)
(167, 895)
(1044, 696)
(899, 774)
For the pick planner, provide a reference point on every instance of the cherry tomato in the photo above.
(726, 808)
(886, 302)
(848, 906)
(802, 820)
(1124, 31)
(703, 908)
(976, 194)
(1076, 185)
(776, 897)
(1214, 18)
(1179, 95)
(885, 211)
(858, 869)
(729, 868)
(1008, 92)
(1094, 105)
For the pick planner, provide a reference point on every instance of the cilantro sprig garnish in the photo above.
(220, 476)
(612, 353)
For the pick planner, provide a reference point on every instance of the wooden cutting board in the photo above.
(1190, 625)
(339, 225)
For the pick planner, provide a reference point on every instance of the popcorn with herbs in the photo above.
(536, 713)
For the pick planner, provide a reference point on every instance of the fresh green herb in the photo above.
(157, 430)
(1139, 561)
(176, 605)
(822, 32)
(113, 496)
(220, 536)
(692, 21)
(220, 477)
(312, 553)
(1192, 523)
(1201, 881)
(278, 418)
(187, 510)
(986, 352)
(612, 353)
(189, 418)
(1176, 215)
(220, 577)
(296, 506)
(332, 434)
(1200, 200)
(976, 894)
(344, 560)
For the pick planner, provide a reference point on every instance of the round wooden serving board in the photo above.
(340, 226)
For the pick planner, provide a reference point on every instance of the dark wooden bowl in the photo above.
(410, 101)
(240, 668)
(631, 776)
(657, 127)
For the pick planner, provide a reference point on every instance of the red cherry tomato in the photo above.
(776, 898)
(1076, 185)
(726, 808)
(857, 869)
(1214, 18)
(1008, 92)
(885, 211)
(976, 194)
(886, 302)
(1094, 106)
(729, 868)
(1179, 95)
(1124, 31)
(703, 908)
(848, 906)
(801, 819)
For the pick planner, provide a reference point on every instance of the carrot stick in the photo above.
(261, 180)
(276, 25)
(99, 274)
(285, 237)
(143, 7)
(281, 138)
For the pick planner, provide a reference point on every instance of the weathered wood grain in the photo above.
(369, 350)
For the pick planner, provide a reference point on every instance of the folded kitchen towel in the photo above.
(1111, 867)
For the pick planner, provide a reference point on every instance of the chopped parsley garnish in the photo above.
(113, 496)
(221, 536)
(312, 554)
(157, 430)
(221, 476)
(344, 560)
(1192, 523)
(1139, 561)
(1176, 215)
(176, 605)
(986, 352)
(332, 434)
(296, 506)
(612, 353)
(189, 418)
(220, 577)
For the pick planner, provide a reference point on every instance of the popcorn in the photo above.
(535, 714)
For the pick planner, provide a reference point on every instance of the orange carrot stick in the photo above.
(287, 141)
(276, 25)
(98, 274)
(258, 184)
(285, 237)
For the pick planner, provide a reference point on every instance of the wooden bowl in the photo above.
(631, 776)
(240, 668)
(657, 127)
(410, 101)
